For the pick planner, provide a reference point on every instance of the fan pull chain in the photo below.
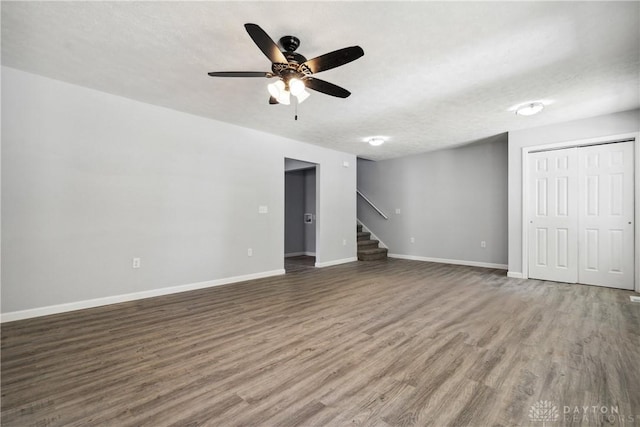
(296, 117)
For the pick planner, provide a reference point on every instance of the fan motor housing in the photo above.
(294, 57)
(289, 43)
(290, 70)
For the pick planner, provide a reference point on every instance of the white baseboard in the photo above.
(336, 262)
(292, 254)
(515, 275)
(450, 261)
(81, 305)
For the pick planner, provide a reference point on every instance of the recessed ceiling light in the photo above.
(529, 109)
(376, 141)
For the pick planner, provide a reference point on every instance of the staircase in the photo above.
(368, 249)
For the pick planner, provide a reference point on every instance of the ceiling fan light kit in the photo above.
(296, 86)
(302, 96)
(293, 71)
(278, 91)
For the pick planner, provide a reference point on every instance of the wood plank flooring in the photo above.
(298, 263)
(391, 343)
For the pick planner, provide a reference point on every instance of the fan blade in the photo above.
(239, 74)
(334, 59)
(273, 101)
(326, 87)
(266, 45)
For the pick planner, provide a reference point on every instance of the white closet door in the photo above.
(605, 215)
(553, 225)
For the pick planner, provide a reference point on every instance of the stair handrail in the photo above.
(366, 199)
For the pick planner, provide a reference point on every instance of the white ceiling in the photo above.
(434, 74)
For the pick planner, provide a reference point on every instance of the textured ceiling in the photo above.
(434, 74)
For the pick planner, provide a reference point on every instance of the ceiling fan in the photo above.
(293, 71)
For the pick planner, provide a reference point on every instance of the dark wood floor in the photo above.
(392, 343)
(299, 263)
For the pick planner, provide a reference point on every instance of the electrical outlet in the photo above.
(249, 252)
(135, 263)
(483, 244)
(397, 211)
(263, 209)
(412, 239)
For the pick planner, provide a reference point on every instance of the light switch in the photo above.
(263, 209)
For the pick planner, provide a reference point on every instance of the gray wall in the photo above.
(310, 207)
(450, 200)
(294, 241)
(293, 165)
(300, 198)
(90, 180)
(611, 124)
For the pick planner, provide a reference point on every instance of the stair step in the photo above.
(363, 235)
(372, 254)
(367, 244)
(359, 227)
(373, 251)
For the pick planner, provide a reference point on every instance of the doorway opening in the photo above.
(300, 220)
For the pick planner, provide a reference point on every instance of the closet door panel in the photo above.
(552, 214)
(605, 215)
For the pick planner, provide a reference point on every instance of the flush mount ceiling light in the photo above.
(529, 109)
(376, 141)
